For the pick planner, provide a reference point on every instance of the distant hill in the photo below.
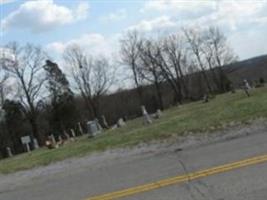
(251, 69)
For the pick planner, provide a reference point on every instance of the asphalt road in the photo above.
(122, 172)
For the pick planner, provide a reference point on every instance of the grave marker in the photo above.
(73, 134)
(80, 128)
(35, 144)
(147, 118)
(9, 152)
(93, 128)
(121, 123)
(104, 122)
(26, 140)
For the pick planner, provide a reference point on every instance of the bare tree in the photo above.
(93, 76)
(149, 67)
(130, 56)
(218, 53)
(175, 54)
(26, 69)
(3, 87)
(196, 44)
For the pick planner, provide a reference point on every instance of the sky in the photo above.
(99, 24)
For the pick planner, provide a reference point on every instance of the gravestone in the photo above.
(206, 98)
(73, 134)
(9, 152)
(51, 142)
(35, 144)
(147, 118)
(98, 125)
(52, 138)
(121, 123)
(158, 114)
(104, 122)
(247, 87)
(93, 128)
(66, 135)
(26, 140)
(60, 140)
(80, 128)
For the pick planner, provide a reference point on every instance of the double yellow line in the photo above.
(181, 179)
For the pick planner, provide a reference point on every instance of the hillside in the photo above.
(224, 110)
(250, 69)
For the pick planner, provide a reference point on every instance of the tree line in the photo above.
(37, 98)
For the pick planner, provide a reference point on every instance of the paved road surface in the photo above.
(93, 179)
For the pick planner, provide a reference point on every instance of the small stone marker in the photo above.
(60, 140)
(9, 152)
(206, 98)
(98, 125)
(121, 123)
(52, 138)
(80, 128)
(247, 87)
(158, 114)
(51, 142)
(35, 144)
(72, 133)
(93, 128)
(26, 140)
(66, 135)
(104, 122)
(147, 118)
(114, 126)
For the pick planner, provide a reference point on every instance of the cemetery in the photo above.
(229, 108)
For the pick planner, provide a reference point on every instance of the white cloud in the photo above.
(6, 1)
(82, 10)
(39, 16)
(226, 13)
(177, 5)
(93, 43)
(163, 22)
(116, 16)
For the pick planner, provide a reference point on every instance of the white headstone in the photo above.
(99, 127)
(147, 118)
(72, 133)
(104, 121)
(9, 152)
(247, 85)
(93, 128)
(121, 123)
(53, 139)
(66, 135)
(80, 128)
(158, 114)
(60, 140)
(35, 144)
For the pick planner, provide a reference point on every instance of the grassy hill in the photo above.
(194, 117)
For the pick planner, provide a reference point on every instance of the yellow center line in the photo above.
(181, 178)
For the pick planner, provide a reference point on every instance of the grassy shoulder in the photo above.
(193, 117)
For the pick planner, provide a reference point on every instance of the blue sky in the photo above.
(98, 25)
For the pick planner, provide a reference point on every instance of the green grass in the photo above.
(193, 117)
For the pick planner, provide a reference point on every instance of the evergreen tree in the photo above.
(63, 111)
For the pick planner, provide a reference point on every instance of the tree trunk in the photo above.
(35, 130)
(159, 94)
